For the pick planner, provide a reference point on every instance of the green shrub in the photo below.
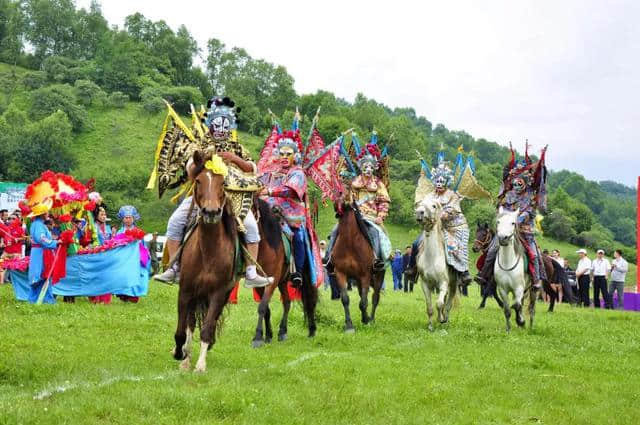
(117, 99)
(47, 100)
(88, 93)
(34, 80)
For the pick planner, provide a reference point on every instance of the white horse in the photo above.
(509, 269)
(435, 274)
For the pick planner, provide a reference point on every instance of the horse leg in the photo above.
(344, 296)
(427, 297)
(364, 302)
(532, 307)
(375, 298)
(258, 337)
(268, 330)
(184, 333)
(553, 295)
(442, 295)
(263, 312)
(485, 295)
(309, 301)
(286, 306)
(517, 306)
(507, 310)
(453, 286)
(208, 327)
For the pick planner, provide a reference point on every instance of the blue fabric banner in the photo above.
(117, 271)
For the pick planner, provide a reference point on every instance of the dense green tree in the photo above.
(12, 28)
(44, 145)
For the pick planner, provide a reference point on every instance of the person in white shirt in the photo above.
(583, 274)
(600, 268)
(619, 269)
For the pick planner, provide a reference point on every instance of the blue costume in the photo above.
(41, 240)
(397, 267)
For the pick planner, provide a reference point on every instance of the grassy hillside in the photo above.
(87, 364)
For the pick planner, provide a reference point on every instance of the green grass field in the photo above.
(85, 364)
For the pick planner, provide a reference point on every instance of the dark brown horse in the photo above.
(352, 257)
(272, 259)
(484, 236)
(206, 264)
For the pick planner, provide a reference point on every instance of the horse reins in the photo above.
(514, 266)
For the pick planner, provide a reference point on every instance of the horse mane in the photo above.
(359, 219)
(270, 224)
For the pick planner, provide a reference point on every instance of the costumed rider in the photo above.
(448, 187)
(370, 194)
(219, 136)
(523, 189)
(286, 193)
(42, 254)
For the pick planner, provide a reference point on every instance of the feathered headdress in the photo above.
(369, 154)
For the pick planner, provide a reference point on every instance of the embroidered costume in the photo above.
(285, 181)
(213, 131)
(523, 189)
(369, 192)
(448, 187)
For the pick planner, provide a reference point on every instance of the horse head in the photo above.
(343, 202)
(207, 171)
(507, 222)
(427, 213)
(484, 235)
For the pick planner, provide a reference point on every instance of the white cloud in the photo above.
(557, 73)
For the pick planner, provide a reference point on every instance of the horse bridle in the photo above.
(517, 253)
(217, 216)
(484, 242)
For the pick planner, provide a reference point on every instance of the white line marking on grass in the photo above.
(308, 356)
(303, 358)
(67, 386)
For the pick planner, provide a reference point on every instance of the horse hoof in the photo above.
(267, 340)
(200, 368)
(430, 328)
(257, 343)
(282, 337)
(349, 330)
(185, 364)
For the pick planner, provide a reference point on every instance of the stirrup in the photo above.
(296, 280)
(378, 265)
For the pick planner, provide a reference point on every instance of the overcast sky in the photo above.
(559, 73)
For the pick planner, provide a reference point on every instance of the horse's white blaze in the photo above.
(431, 261)
(201, 365)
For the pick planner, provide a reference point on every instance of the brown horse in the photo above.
(352, 257)
(206, 264)
(272, 257)
(484, 236)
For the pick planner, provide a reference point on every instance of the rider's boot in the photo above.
(296, 279)
(170, 275)
(252, 279)
(378, 265)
